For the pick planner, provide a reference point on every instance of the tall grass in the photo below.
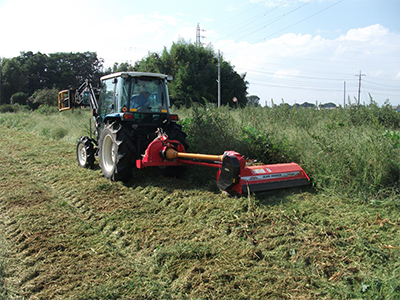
(48, 122)
(353, 152)
(346, 152)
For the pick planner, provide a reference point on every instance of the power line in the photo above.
(308, 17)
(277, 19)
(298, 87)
(383, 85)
(318, 12)
(298, 76)
(241, 13)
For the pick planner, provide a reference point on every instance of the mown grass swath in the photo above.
(67, 232)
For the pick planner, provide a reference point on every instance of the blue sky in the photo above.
(295, 50)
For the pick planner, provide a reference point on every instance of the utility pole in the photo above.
(359, 88)
(1, 79)
(219, 79)
(344, 94)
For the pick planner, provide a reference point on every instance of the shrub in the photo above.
(393, 136)
(45, 96)
(215, 130)
(19, 98)
(8, 108)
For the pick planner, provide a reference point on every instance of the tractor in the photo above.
(134, 128)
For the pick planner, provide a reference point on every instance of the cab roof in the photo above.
(134, 74)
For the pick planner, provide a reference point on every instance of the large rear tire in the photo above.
(85, 152)
(116, 152)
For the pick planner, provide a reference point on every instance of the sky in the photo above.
(292, 51)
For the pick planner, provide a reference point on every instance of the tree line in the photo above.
(194, 68)
(30, 72)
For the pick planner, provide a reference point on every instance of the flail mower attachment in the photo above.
(236, 175)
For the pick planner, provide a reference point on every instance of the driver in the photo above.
(142, 100)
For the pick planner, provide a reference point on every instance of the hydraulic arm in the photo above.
(85, 95)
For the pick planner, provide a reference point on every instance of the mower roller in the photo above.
(236, 175)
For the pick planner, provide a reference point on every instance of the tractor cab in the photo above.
(136, 97)
(141, 98)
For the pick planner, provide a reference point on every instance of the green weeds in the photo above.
(394, 137)
(348, 152)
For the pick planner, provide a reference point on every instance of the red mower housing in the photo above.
(236, 175)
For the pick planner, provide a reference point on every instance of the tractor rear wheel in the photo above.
(116, 152)
(85, 152)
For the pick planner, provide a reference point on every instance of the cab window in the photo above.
(107, 95)
(144, 94)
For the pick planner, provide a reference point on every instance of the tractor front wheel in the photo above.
(85, 152)
(116, 152)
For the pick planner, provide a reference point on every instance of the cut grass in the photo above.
(67, 232)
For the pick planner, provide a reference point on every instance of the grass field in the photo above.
(68, 233)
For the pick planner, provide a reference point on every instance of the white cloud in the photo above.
(50, 26)
(187, 33)
(365, 34)
(43, 25)
(302, 68)
(170, 20)
(235, 7)
(292, 39)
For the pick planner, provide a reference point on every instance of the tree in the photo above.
(194, 68)
(34, 67)
(122, 67)
(73, 69)
(3, 99)
(13, 79)
(30, 72)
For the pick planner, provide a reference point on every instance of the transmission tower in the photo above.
(198, 34)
